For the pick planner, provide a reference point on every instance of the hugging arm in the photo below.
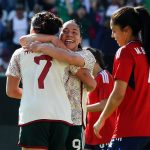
(28, 39)
(96, 107)
(113, 102)
(60, 54)
(84, 75)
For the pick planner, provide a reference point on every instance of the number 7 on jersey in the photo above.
(45, 70)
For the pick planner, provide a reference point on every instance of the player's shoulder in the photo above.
(84, 52)
(125, 50)
(128, 48)
(18, 51)
(105, 76)
(87, 54)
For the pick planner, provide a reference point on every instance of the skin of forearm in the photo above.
(42, 37)
(27, 39)
(61, 54)
(84, 75)
(97, 107)
(90, 87)
(114, 99)
(16, 93)
(12, 87)
(113, 102)
(49, 39)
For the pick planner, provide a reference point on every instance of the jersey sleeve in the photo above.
(105, 85)
(14, 66)
(123, 64)
(89, 61)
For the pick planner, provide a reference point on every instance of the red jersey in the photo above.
(102, 91)
(133, 114)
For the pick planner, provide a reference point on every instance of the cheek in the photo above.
(79, 40)
(117, 37)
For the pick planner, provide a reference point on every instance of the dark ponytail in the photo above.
(138, 19)
(145, 29)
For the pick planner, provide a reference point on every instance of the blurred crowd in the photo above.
(92, 15)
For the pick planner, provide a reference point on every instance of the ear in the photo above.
(126, 29)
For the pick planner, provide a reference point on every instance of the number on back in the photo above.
(45, 69)
(76, 144)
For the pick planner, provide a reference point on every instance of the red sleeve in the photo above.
(105, 88)
(123, 64)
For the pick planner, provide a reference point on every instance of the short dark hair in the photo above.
(46, 22)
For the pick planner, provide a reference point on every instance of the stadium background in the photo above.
(93, 16)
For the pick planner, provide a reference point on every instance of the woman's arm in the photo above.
(28, 39)
(12, 87)
(57, 53)
(97, 106)
(84, 75)
(113, 102)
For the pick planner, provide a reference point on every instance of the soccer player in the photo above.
(96, 103)
(70, 37)
(45, 110)
(131, 94)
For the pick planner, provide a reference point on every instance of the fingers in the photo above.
(35, 42)
(33, 47)
(97, 127)
(96, 131)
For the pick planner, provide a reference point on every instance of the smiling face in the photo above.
(70, 35)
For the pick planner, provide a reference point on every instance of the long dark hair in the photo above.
(138, 19)
(145, 29)
(46, 23)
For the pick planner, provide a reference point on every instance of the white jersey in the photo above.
(44, 96)
(76, 92)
